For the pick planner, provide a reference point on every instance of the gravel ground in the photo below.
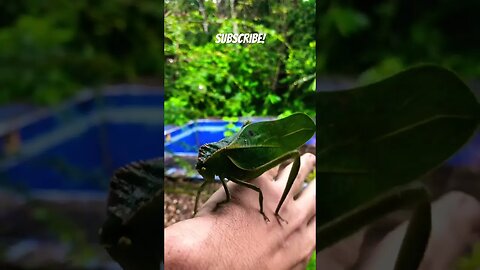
(177, 207)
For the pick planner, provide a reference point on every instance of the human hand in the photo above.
(235, 235)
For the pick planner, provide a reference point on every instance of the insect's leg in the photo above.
(200, 189)
(350, 222)
(416, 238)
(257, 189)
(227, 192)
(291, 179)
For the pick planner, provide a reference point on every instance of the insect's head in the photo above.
(203, 170)
(201, 166)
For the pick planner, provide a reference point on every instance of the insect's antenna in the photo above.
(248, 122)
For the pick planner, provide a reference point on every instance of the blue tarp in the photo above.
(79, 144)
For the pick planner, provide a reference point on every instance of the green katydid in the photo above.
(256, 148)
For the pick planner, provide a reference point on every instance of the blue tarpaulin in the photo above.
(79, 144)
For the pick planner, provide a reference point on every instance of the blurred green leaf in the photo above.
(471, 261)
(347, 20)
(51, 50)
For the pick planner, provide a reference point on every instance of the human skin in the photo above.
(234, 235)
(455, 229)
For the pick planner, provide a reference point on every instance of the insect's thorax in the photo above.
(209, 152)
(205, 152)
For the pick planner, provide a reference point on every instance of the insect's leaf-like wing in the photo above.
(262, 142)
(386, 134)
(253, 157)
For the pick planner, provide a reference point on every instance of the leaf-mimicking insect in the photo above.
(256, 148)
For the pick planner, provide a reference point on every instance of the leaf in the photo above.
(132, 233)
(347, 20)
(273, 99)
(386, 134)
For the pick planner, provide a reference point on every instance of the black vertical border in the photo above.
(162, 84)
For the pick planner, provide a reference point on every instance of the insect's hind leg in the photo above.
(291, 179)
(416, 238)
(197, 198)
(227, 192)
(260, 195)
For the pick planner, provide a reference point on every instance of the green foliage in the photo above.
(385, 68)
(205, 79)
(346, 20)
(50, 50)
(379, 38)
(312, 264)
(230, 128)
(471, 262)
